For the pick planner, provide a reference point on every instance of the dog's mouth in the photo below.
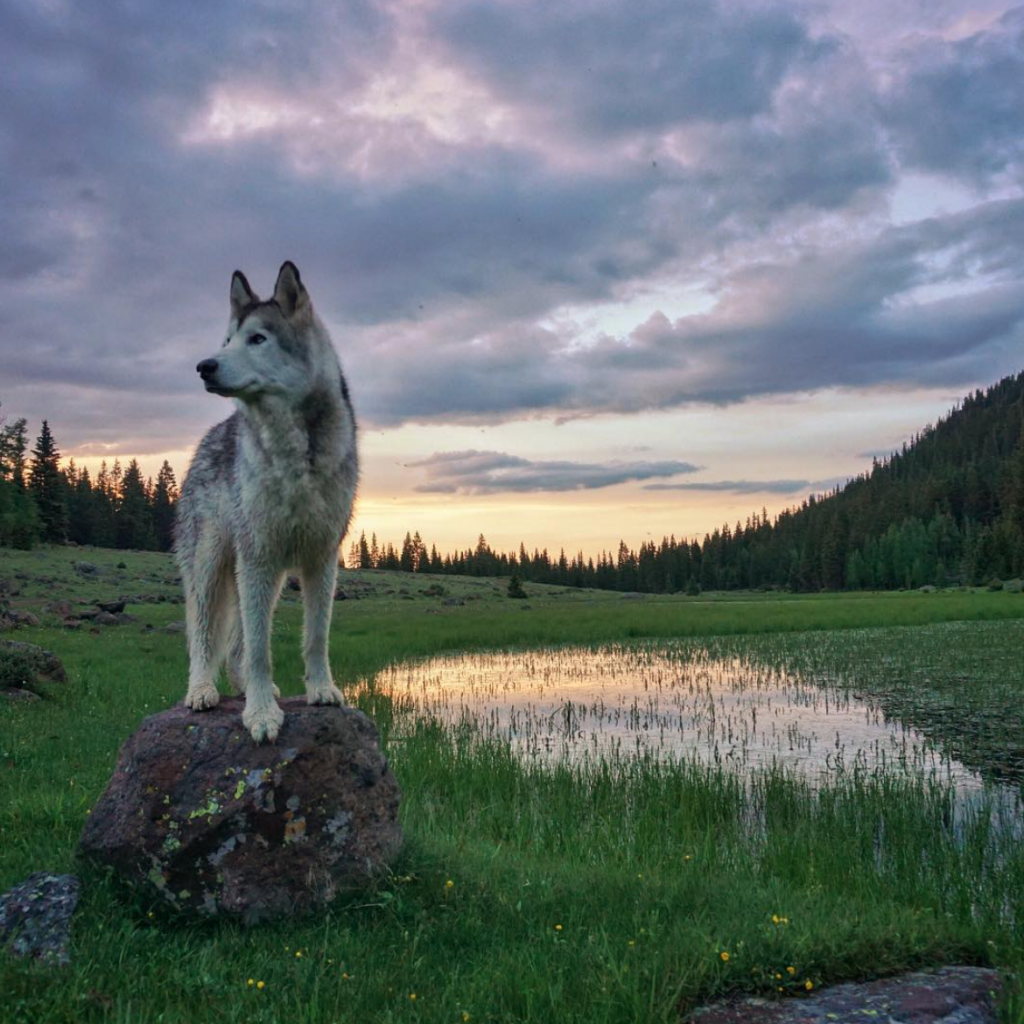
(219, 389)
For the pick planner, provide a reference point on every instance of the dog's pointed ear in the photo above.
(289, 292)
(241, 295)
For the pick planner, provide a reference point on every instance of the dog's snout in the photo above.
(206, 368)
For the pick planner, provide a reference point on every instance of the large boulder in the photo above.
(212, 823)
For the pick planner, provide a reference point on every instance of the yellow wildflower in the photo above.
(261, 985)
(250, 983)
(558, 927)
(808, 984)
(465, 1017)
(298, 954)
(412, 997)
(449, 884)
(791, 970)
(725, 956)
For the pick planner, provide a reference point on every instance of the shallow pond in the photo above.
(685, 700)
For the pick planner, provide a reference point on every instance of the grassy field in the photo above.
(612, 892)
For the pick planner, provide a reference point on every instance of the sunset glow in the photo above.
(594, 271)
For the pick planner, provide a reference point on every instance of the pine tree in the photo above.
(134, 521)
(165, 497)
(48, 488)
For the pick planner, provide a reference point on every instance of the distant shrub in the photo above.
(995, 584)
(435, 590)
(693, 588)
(515, 586)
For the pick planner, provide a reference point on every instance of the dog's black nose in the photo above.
(207, 368)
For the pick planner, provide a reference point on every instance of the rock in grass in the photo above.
(949, 995)
(16, 693)
(35, 917)
(24, 666)
(203, 818)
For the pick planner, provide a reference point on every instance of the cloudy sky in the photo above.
(594, 269)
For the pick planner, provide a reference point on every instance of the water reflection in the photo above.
(669, 700)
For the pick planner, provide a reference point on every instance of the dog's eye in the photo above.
(256, 339)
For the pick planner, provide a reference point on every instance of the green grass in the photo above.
(651, 870)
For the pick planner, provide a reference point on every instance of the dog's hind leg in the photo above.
(259, 586)
(204, 580)
(235, 644)
(318, 581)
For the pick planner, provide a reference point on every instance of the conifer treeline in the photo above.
(947, 509)
(42, 501)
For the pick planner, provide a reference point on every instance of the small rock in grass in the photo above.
(62, 609)
(949, 995)
(35, 917)
(105, 619)
(114, 607)
(175, 627)
(16, 693)
(25, 664)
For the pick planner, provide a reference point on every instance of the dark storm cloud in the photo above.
(853, 315)
(148, 150)
(958, 107)
(612, 67)
(477, 472)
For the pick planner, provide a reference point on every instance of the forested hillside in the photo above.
(947, 509)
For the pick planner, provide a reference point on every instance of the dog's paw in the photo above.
(263, 721)
(202, 697)
(325, 694)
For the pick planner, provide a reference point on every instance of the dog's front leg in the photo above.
(258, 588)
(318, 581)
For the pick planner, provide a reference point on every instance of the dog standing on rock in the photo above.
(270, 489)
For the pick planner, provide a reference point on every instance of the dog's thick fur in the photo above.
(269, 489)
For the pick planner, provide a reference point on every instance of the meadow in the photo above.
(615, 889)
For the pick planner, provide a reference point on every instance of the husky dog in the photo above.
(269, 489)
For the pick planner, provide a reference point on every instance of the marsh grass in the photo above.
(600, 892)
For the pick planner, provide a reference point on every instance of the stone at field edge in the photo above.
(948, 995)
(213, 823)
(35, 917)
